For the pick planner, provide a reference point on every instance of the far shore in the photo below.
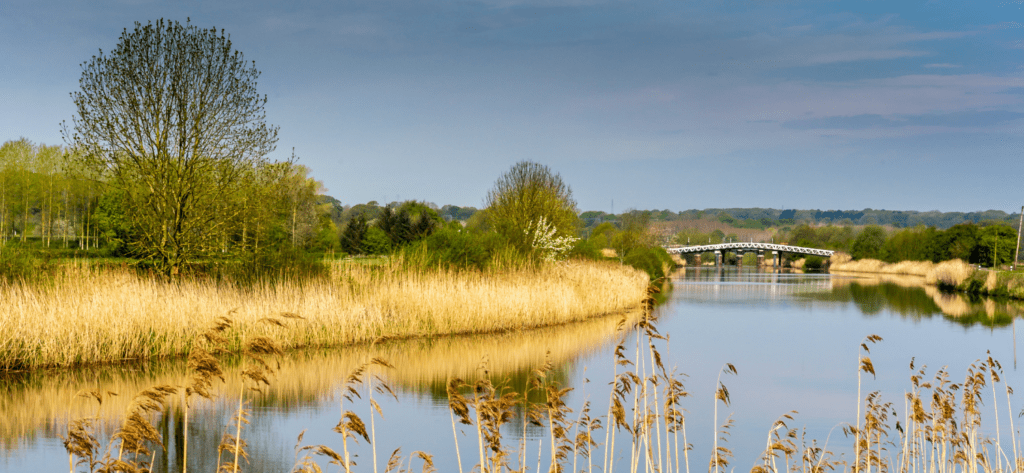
(954, 275)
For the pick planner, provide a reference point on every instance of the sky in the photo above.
(663, 104)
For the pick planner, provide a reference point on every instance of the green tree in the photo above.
(353, 235)
(635, 233)
(869, 243)
(171, 118)
(996, 244)
(601, 236)
(376, 242)
(959, 241)
(524, 196)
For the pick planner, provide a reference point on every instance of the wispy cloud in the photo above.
(978, 119)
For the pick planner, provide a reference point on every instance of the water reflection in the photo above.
(38, 406)
(906, 296)
(793, 337)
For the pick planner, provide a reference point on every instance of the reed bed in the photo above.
(950, 273)
(87, 315)
(48, 401)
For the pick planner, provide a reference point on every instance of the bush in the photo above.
(814, 262)
(376, 242)
(652, 260)
(451, 248)
(18, 265)
(586, 249)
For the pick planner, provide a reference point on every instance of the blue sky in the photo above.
(652, 104)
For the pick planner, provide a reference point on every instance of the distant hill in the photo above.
(761, 218)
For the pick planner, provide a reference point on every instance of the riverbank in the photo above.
(952, 275)
(88, 316)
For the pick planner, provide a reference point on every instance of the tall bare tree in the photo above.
(171, 118)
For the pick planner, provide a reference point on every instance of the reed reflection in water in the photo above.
(906, 295)
(37, 407)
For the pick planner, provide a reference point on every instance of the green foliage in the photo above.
(454, 212)
(282, 263)
(635, 233)
(400, 227)
(456, 248)
(369, 211)
(523, 196)
(18, 265)
(827, 237)
(480, 222)
(869, 243)
(109, 221)
(814, 262)
(652, 260)
(586, 249)
(353, 235)
(417, 210)
(171, 118)
(376, 242)
(996, 245)
(912, 244)
(601, 236)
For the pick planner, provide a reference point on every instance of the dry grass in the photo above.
(49, 401)
(950, 273)
(105, 316)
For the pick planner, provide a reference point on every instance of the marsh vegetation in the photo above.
(500, 376)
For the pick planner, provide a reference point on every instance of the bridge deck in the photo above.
(748, 246)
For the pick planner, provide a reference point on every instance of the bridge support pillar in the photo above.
(696, 259)
(760, 258)
(739, 258)
(718, 258)
(776, 259)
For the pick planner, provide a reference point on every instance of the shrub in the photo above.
(376, 242)
(814, 262)
(652, 260)
(586, 249)
(16, 264)
(451, 248)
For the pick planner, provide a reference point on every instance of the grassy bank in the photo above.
(86, 315)
(954, 274)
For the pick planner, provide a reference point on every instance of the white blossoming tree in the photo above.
(547, 244)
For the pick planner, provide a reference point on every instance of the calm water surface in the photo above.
(793, 338)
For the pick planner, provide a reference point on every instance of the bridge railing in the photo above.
(749, 246)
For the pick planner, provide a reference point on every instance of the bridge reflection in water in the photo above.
(747, 287)
(740, 248)
(901, 296)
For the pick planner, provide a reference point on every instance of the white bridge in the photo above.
(744, 247)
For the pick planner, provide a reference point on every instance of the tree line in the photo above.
(991, 243)
(166, 160)
(762, 218)
(49, 197)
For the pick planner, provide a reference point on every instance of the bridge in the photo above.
(744, 247)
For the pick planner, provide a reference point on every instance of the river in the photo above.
(794, 340)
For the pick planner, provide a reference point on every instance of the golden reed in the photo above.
(87, 315)
(951, 273)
